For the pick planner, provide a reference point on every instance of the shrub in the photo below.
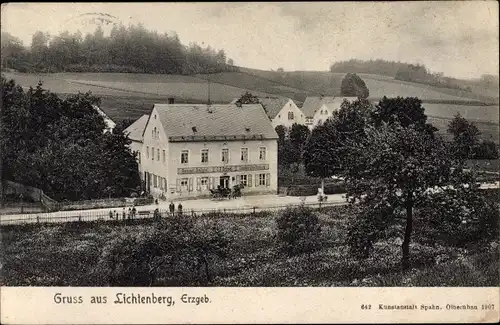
(299, 231)
(177, 247)
(457, 219)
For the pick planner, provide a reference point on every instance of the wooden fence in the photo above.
(68, 216)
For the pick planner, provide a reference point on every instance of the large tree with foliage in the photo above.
(299, 135)
(405, 111)
(325, 151)
(465, 136)
(353, 86)
(59, 145)
(390, 172)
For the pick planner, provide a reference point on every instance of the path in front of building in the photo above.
(248, 202)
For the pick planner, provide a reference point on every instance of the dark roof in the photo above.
(136, 129)
(198, 122)
(273, 104)
(312, 104)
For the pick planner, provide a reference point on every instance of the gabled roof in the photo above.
(198, 122)
(337, 102)
(273, 104)
(312, 104)
(136, 129)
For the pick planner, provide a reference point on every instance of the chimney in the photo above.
(171, 100)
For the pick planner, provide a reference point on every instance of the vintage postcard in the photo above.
(249, 162)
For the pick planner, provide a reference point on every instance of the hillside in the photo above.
(328, 83)
(125, 95)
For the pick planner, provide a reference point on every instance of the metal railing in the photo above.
(83, 216)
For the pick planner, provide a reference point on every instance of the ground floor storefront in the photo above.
(203, 184)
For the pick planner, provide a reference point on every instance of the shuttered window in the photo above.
(262, 179)
(184, 156)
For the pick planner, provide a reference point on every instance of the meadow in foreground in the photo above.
(103, 253)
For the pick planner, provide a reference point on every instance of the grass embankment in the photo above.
(68, 255)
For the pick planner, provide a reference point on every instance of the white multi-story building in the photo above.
(281, 111)
(188, 149)
(318, 109)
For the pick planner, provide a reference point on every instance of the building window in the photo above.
(204, 183)
(154, 181)
(204, 155)
(320, 121)
(262, 153)
(147, 152)
(158, 154)
(225, 155)
(290, 115)
(184, 156)
(164, 157)
(244, 180)
(262, 179)
(309, 121)
(244, 154)
(184, 184)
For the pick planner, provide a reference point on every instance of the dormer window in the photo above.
(290, 115)
(247, 129)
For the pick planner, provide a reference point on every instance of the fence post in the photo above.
(79, 218)
(192, 213)
(254, 211)
(37, 219)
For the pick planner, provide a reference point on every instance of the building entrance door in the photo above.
(224, 181)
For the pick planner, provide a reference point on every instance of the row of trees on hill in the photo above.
(126, 49)
(58, 145)
(399, 70)
(400, 176)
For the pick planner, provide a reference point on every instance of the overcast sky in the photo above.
(457, 38)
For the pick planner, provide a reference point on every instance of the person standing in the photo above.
(123, 214)
(171, 207)
(179, 207)
(133, 212)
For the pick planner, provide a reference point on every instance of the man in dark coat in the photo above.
(171, 207)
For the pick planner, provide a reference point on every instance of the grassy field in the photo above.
(68, 255)
(225, 86)
(328, 83)
(128, 96)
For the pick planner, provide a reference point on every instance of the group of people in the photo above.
(171, 208)
(130, 214)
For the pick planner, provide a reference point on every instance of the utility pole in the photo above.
(209, 103)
